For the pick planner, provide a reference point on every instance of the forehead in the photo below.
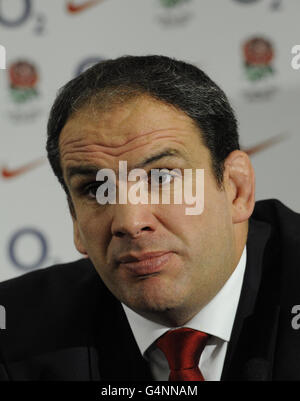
(120, 123)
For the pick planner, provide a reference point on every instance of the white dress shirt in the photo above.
(216, 319)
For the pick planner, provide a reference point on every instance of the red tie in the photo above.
(183, 348)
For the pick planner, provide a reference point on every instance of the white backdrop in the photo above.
(50, 41)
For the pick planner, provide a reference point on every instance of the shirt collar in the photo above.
(216, 318)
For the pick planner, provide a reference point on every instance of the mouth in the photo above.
(145, 264)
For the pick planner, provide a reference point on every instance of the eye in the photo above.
(91, 189)
(161, 176)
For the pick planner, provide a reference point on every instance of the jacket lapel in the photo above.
(251, 348)
(119, 357)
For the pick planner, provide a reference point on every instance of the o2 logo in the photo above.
(18, 19)
(14, 17)
(18, 241)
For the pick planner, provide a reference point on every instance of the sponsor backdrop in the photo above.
(245, 45)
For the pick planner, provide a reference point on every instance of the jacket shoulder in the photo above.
(277, 214)
(50, 308)
(282, 254)
(43, 279)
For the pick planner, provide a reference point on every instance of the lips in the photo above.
(145, 264)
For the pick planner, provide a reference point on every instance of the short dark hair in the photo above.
(166, 79)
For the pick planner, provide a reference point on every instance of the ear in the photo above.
(77, 238)
(239, 180)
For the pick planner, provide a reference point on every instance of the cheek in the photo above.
(172, 217)
(216, 204)
(217, 225)
(178, 227)
(94, 231)
(211, 229)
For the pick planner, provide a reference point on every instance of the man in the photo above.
(157, 282)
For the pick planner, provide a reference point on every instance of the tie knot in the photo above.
(182, 347)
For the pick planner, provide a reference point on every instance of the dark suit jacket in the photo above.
(62, 323)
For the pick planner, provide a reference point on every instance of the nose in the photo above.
(133, 221)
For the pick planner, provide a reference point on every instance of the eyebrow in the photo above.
(81, 170)
(93, 170)
(165, 153)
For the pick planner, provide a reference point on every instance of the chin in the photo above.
(154, 300)
(154, 294)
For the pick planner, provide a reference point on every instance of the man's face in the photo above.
(195, 253)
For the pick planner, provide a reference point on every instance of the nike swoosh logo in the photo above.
(7, 173)
(74, 8)
(265, 144)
